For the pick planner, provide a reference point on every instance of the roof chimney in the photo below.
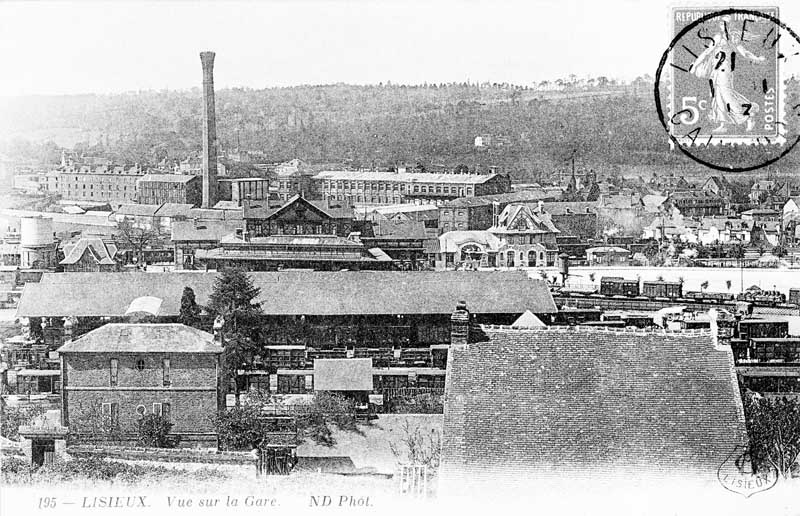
(459, 326)
(209, 132)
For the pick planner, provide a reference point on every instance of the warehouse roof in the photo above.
(212, 230)
(403, 177)
(169, 178)
(589, 399)
(84, 294)
(143, 338)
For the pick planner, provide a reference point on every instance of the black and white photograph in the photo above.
(343, 257)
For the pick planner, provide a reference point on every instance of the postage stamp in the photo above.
(724, 79)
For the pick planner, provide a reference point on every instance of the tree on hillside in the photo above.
(234, 302)
(773, 430)
(190, 310)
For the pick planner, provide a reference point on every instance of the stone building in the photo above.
(239, 190)
(357, 187)
(479, 213)
(115, 374)
(170, 188)
(114, 184)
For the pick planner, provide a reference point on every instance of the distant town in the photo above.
(263, 310)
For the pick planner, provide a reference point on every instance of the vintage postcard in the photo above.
(389, 257)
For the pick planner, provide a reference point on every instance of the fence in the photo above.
(412, 480)
(407, 392)
(275, 461)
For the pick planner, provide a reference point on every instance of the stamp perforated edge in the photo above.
(732, 140)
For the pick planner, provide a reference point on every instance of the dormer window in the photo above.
(140, 365)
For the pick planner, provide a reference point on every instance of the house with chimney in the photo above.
(398, 320)
(527, 407)
(119, 372)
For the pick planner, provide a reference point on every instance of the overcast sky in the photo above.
(100, 47)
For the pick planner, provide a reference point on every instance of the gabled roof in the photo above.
(143, 338)
(102, 252)
(521, 218)
(528, 320)
(293, 292)
(329, 209)
(574, 401)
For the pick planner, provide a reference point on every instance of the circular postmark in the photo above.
(721, 88)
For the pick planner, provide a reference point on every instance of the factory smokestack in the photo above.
(209, 132)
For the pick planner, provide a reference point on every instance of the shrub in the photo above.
(326, 409)
(14, 417)
(14, 466)
(240, 427)
(153, 430)
(419, 404)
(417, 447)
(96, 470)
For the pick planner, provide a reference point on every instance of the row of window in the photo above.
(111, 410)
(140, 365)
(304, 384)
(397, 187)
(100, 187)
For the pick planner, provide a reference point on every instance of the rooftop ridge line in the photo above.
(602, 329)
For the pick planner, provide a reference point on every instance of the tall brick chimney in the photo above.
(459, 326)
(209, 132)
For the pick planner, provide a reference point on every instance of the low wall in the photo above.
(160, 454)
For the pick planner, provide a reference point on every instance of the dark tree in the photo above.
(136, 239)
(190, 311)
(773, 429)
(234, 301)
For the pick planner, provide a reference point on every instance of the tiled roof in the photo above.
(399, 230)
(580, 399)
(211, 214)
(138, 210)
(143, 338)
(212, 230)
(485, 200)
(102, 252)
(343, 374)
(404, 177)
(169, 178)
(294, 292)
(173, 209)
(264, 209)
(514, 214)
(566, 208)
